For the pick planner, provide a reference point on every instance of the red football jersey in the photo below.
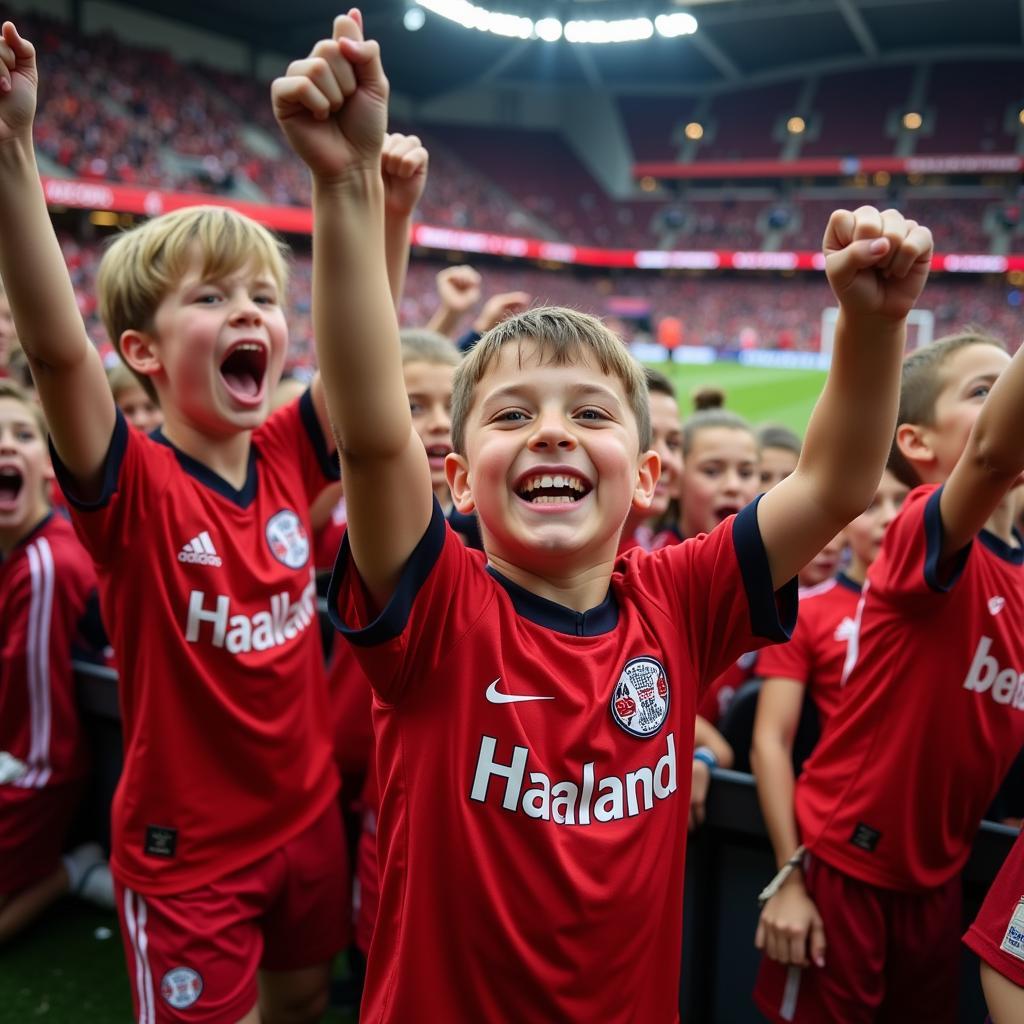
(209, 599)
(997, 934)
(932, 713)
(534, 765)
(817, 653)
(46, 584)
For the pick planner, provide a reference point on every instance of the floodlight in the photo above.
(677, 24)
(548, 29)
(414, 19)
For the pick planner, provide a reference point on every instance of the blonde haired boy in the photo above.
(533, 711)
(227, 849)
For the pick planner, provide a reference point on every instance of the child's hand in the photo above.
(404, 169)
(877, 263)
(19, 78)
(458, 288)
(501, 307)
(333, 106)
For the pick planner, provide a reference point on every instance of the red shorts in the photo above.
(34, 826)
(890, 956)
(997, 935)
(194, 956)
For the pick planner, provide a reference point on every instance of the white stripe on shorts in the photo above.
(135, 919)
(787, 1011)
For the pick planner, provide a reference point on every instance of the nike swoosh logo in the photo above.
(508, 698)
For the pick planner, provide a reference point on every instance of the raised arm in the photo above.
(459, 290)
(877, 264)
(991, 463)
(65, 365)
(332, 107)
(404, 169)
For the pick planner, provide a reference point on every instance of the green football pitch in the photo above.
(781, 396)
(70, 966)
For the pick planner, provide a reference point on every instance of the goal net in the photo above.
(920, 329)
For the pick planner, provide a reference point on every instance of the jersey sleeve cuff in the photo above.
(933, 536)
(394, 617)
(772, 613)
(110, 469)
(328, 461)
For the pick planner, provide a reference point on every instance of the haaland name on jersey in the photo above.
(571, 802)
(1004, 685)
(241, 634)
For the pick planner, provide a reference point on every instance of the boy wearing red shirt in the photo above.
(227, 848)
(47, 592)
(533, 711)
(890, 800)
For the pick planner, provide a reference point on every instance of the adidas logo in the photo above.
(199, 551)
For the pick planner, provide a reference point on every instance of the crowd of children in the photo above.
(541, 573)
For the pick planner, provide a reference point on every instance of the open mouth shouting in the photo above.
(722, 512)
(11, 483)
(244, 371)
(436, 454)
(552, 487)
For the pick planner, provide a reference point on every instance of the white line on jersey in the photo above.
(508, 698)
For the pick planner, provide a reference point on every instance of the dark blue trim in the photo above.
(844, 581)
(468, 340)
(111, 469)
(772, 612)
(933, 534)
(999, 548)
(327, 460)
(467, 527)
(208, 478)
(22, 541)
(392, 620)
(596, 621)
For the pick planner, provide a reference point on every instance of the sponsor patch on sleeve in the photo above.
(1013, 940)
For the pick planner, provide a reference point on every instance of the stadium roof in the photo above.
(739, 42)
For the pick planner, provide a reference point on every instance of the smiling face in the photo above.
(217, 349)
(25, 471)
(720, 476)
(429, 387)
(552, 462)
(667, 441)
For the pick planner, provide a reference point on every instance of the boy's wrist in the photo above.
(357, 182)
(885, 328)
(18, 154)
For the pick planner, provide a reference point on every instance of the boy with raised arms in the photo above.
(227, 848)
(534, 712)
(867, 925)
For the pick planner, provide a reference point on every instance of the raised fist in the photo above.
(501, 307)
(876, 262)
(19, 79)
(403, 166)
(458, 288)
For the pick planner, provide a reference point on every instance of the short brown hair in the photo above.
(775, 435)
(142, 265)
(422, 346)
(659, 384)
(9, 389)
(708, 419)
(565, 337)
(920, 385)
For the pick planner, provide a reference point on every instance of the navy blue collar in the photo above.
(999, 547)
(844, 581)
(28, 536)
(208, 478)
(602, 618)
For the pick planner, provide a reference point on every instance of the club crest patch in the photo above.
(181, 987)
(1013, 940)
(640, 698)
(288, 540)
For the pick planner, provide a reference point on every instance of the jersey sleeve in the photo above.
(442, 591)
(719, 587)
(907, 569)
(293, 435)
(131, 485)
(793, 660)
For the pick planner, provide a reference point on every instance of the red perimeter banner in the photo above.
(92, 195)
(835, 166)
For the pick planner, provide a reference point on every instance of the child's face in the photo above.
(552, 462)
(139, 409)
(866, 532)
(720, 476)
(220, 348)
(825, 564)
(667, 441)
(24, 470)
(776, 465)
(969, 374)
(429, 387)
(8, 335)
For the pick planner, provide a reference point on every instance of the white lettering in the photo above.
(197, 615)
(568, 801)
(1004, 685)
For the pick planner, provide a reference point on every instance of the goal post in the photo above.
(920, 329)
